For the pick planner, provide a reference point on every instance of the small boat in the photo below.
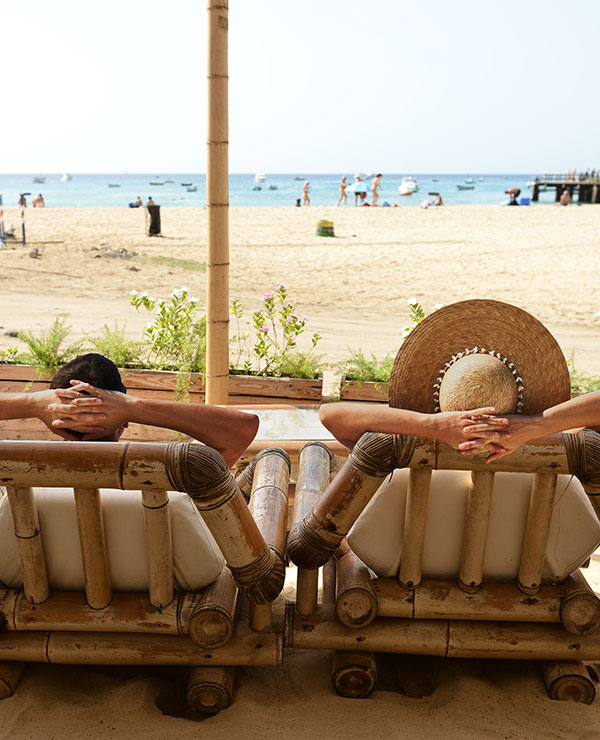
(192, 189)
(298, 177)
(408, 186)
(435, 179)
(186, 184)
(259, 177)
(114, 185)
(66, 177)
(481, 179)
(272, 187)
(256, 187)
(166, 181)
(469, 180)
(39, 178)
(466, 187)
(157, 183)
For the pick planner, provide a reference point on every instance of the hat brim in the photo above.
(488, 324)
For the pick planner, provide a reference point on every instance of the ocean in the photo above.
(276, 190)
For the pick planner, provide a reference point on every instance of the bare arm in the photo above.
(32, 406)
(228, 431)
(349, 421)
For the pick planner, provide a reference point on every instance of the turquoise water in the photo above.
(94, 190)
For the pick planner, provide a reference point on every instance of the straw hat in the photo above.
(479, 353)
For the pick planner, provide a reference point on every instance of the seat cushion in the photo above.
(378, 533)
(197, 560)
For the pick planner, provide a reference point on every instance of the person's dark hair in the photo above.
(91, 368)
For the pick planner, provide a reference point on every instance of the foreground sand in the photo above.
(353, 287)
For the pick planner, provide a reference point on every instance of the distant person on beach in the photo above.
(565, 198)
(38, 201)
(358, 194)
(438, 200)
(138, 201)
(150, 202)
(22, 201)
(375, 186)
(305, 196)
(88, 401)
(343, 193)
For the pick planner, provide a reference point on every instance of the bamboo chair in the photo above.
(554, 623)
(162, 626)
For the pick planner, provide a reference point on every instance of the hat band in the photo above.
(473, 351)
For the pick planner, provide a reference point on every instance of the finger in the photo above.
(483, 427)
(73, 412)
(473, 444)
(66, 435)
(485, 411)
(492, 420)
(76, 426)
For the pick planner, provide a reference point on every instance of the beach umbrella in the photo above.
(217, 201)
(357, 187)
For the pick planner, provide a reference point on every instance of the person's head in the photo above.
(96, 370)
(380, 175)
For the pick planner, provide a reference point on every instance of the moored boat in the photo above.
(408, 186)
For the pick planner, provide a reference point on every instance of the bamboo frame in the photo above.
(10, 675)
(535, 539)
(210, 689)
(479, 504)
(159, 547)
(353, 674)
(580, 607)
(415, 520)
(356, 601)
(211, 618)
(217, 199)
(568, 681)
(29, 542)
(92, 541)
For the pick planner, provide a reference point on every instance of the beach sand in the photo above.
(354, 288)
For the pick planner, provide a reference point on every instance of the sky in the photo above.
(315, 86)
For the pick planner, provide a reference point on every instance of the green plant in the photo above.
(9, 355)
(358, 367)
(276, 329)
(176, 336)
(46, 350)
(113, 344)
(416, 315)
(581, 382)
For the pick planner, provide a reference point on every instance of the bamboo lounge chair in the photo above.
(488, 567)
(106, 617)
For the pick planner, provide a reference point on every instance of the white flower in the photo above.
(183, 289)
(438, 306)
(133, 292)
(412, 301)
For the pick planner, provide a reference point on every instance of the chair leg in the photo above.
(353, 674)
(210, 689)
(10, 675)
(568, 681)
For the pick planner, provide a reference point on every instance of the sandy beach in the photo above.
(354, 288)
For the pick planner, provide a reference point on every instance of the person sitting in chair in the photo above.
(88, 401)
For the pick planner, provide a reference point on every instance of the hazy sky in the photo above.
(315, 86)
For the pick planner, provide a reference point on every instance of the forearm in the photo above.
(18, 406)
(583, 411)
(228, 431)
(349, 421)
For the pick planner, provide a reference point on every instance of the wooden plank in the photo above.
(353, 390)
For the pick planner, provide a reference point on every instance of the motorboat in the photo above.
(186, 184)
(39, 178)
(157, 183)
(298, 177)
(192, 189)
(259, 177)
(469, 180)
(408, 186)
(466, 187)
(114, 185)
(256, 187)
(66, 177)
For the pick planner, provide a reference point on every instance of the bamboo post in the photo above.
(479, 504)
(217, 200)
(537, 528)
(568, 680)
(415, 520)
(210, 688)
(356, 601)
(29, 542)
(10, 675)
(580, 608)
(353, 674)
(315, 462)
(159, 547)
(329, 580)
(93, 547)
(212, 617)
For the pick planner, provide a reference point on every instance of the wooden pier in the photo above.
(587, 189)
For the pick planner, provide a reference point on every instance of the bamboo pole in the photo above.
(580, 608)
(568, 681)
(537, 528)
(260, 616)
(210, 689)
(159, 547)
(10, 675)
(211, 618)
(353, 674)
(307, 590)
(415, 520)
(217, 199)
(479, 504)
(29, 543)
(92, 541)
(328, 584)
(356, 601)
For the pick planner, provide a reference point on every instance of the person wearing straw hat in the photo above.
(490, 357)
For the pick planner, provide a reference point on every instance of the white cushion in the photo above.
(378, 533)
(197, 560)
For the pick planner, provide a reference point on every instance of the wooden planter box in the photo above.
(356, 390)
(243, 390)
